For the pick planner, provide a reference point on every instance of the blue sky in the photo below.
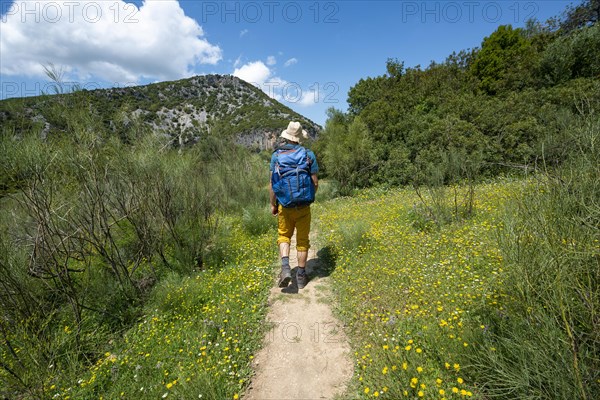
(306, 54)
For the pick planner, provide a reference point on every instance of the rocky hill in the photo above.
(185, 110)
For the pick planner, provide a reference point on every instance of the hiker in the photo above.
(293, 187)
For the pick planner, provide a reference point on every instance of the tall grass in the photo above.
(551, 243)
(90, 221)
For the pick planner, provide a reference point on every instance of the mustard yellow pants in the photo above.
(298, 218)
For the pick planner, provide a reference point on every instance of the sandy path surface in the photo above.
(306, 354)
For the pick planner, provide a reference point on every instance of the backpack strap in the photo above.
(309, 160)
(286, 151)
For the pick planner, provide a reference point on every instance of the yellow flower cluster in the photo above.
(408, 294)
(198, 336)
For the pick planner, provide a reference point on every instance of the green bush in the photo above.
(328, 190)
(348, 152)
(258, 220)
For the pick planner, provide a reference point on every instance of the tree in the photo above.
(364, 93)
(394, 67)
(585, 14)
(571, 56)
(504, 61)
(347, 152)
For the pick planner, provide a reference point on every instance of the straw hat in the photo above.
(294, 132)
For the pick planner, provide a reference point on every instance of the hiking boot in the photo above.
(301, 278)
(285, 276)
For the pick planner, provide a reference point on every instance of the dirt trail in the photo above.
(306, 354)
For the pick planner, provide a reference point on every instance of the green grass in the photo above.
(438, 314)
(197, 336)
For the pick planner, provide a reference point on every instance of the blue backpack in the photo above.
(291, 178)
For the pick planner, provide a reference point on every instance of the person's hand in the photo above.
(274, 210)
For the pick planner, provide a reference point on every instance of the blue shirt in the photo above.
(314, 167)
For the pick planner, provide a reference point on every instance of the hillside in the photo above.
(185, 109)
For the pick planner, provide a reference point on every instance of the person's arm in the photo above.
(273, 200)
(315, 182)
(272, 197)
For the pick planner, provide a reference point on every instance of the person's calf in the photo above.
(302, 257)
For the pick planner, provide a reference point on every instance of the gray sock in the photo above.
(285, 262)
(301, 271)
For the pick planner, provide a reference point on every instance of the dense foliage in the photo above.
(479, 113)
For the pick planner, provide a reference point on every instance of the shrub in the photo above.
(257, 220)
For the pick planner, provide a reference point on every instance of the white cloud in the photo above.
(112, 40)
(255, 72)
(274, 87)
(258, 74)
(291, 61)
(271, 60)
(243, 32)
